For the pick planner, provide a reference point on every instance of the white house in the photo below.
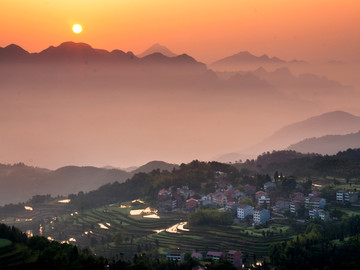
(244, 210)
(175, 256)
(261, 216)
(263, 200)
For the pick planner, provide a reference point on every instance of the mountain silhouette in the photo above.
(246, 60)
(157, 48)
(327, 145)
(72, 52)
(180, 60)
(20, 182)
(13, 52)
(75, 52)
(334, 123)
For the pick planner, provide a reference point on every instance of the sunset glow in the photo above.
(106, 115)
(311, 30)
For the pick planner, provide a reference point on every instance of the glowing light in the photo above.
(138, 200)
(64, 201)
(151, 216)
(102, 226)
(177, 227)
(77, 28)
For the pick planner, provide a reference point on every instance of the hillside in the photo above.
(327, 145)
(344, 164)
(20, 182)
(334, 123)
(35, 253)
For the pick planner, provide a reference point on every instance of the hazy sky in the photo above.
(54, 124)
(313, 30)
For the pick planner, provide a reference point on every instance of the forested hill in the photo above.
(153, 165)
(202, 177)
(17, 251)
(343, 164)
(20, 182)
(147, 185)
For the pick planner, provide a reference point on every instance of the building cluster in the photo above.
(235, 257)
(226, 197)
(313, 204)
(347, 197)
(171, 199)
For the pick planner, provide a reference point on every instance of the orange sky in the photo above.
(313, 30)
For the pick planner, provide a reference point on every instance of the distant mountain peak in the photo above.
(13, 46)
(157, 48)
(69, 46)
(13, 50)
(245, 57)
(72, 44)
(154, 165)
(244, 60)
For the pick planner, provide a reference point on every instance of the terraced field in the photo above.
(113, 232)
(203, 239)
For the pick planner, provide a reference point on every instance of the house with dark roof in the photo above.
(215, 255)
(191, 204)
(196, 255)
(175, 256)
(269, 187)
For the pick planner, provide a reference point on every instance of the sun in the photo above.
(77, 28)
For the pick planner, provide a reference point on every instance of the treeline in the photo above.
(143, 262)
(324, 245)
(210, 217)
(343, 164)
(147, 185)
(39, 253)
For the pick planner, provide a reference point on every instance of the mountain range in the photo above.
(74, 102)
(245, 60)
(71, 52)
(327, 145)
(331, 123)
(334, 123)
(20, 182)
(160, 59)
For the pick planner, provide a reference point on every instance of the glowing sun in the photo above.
(77, 28)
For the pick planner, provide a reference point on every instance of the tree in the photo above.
(118, 238)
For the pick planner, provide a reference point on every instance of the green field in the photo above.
(5, 243)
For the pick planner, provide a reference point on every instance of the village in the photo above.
(252, 206)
